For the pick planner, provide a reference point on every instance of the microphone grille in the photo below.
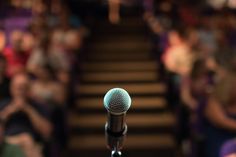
(117, 101)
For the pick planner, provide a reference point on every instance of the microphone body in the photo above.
(116, 123)
(117, 101)
(115, 131)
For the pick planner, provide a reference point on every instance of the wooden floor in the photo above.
(119, 56)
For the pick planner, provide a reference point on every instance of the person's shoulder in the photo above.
(13, 150)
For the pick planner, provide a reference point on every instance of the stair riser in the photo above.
(129, 31)
(118, 38)
(119, 77)
(117, 49)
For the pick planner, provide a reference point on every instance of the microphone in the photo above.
(117, 102)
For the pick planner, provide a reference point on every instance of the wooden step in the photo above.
(119, 56)
(120, 66)
(112, 46)
(123, 44)
(147, 121)
(151, 103)
(119, 76)
(130, 30)
(125, 23)
(122, 26)
(133, 142)
(139, 88)
(120, 38)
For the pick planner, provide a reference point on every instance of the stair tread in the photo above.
(119, 76)
(120, 49)
(137, 103)
(119, 56)
(124, 24)
(138, 88)
(120, 66)
(120, 38)
(143, 142)
(123, 44)
(133, 120)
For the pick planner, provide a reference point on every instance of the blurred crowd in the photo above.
(40, 44)
(195, 45)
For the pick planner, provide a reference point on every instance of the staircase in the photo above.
(119, 56)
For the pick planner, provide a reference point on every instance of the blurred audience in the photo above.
(198, 53)
(39, 47)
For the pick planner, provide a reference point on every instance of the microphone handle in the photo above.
(116, 123)
(115, 141)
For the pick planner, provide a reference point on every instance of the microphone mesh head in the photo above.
(117, 101)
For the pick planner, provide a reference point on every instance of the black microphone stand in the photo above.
(115, 141)
(115, 153)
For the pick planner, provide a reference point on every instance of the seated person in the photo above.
(50, 92)
(26, 122)
(8, 150)
(50, 54)
(229, 149)
(220, 110)
(15, 56)
(46, 89)
(178, 57)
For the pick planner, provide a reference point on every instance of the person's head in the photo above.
(19, 86)
(39, 7)
(176, 36)
(17, 3)
(16, 40)
(28, 42)
(1, 131)
(3, 65)
(73, 40)
(57, 7)
(57, 38)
